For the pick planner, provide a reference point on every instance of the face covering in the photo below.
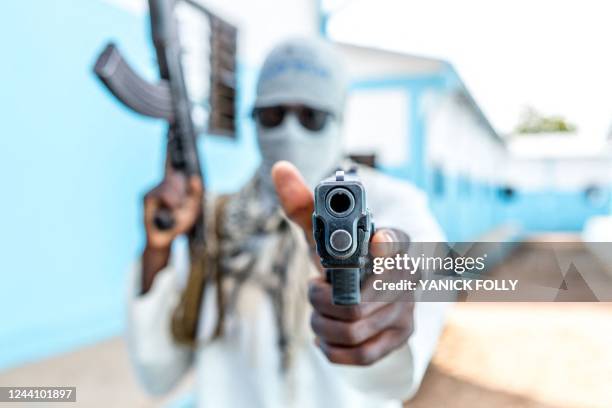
(315, 154)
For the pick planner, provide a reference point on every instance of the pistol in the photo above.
(342, 227)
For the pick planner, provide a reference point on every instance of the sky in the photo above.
(552, 55)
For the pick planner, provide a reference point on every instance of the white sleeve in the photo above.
(397, 204)
(159, 362)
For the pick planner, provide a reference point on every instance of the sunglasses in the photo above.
(310, 118)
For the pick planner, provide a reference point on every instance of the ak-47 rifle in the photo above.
(170, 98)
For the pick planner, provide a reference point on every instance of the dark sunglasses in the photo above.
(272, 116)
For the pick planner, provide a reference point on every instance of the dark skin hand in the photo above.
(354, 335)
(183, 197)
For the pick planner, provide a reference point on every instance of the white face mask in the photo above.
(314, 153)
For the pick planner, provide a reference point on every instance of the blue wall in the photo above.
(552, 210)
(469, 212)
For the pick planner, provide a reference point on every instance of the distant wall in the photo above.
(439, 145)
(423, 130)
(475, 185)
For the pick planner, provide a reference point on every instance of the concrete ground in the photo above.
(101, 373)
(544, 355)
(541, 355)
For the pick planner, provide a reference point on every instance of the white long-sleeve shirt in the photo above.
(242, 368)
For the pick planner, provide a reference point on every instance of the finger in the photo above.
(294, 195)
(192, 206)
(151, 204)
(172, 192)
(366, 353)
(177, 184)
(388, 242)
(195, 186)
(342, 333)
(194, 194)
(320, 297)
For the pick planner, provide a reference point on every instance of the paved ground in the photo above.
(544, 355)
(522, 355)
(101, 373)
(527, 354)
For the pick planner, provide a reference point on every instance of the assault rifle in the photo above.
(195, 93)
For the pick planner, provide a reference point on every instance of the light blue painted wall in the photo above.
(552, 210)
(467, 214)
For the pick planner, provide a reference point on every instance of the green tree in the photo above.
(533, 121)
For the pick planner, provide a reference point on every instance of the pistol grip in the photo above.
(345, 283)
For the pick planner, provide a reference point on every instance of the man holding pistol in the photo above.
(268, 333)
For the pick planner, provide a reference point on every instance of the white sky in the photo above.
(553, 55)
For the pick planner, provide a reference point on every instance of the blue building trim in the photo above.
(414, 86)
(322, 19)
(417, 137)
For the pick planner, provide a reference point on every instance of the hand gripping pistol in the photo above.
(342, 227)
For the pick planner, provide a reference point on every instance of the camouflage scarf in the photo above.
(260, 245)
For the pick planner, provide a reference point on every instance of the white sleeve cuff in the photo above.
(159, 361)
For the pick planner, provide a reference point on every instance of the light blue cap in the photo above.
(305, 71)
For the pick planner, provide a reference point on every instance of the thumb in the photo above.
(389, 242)
(294, 195)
